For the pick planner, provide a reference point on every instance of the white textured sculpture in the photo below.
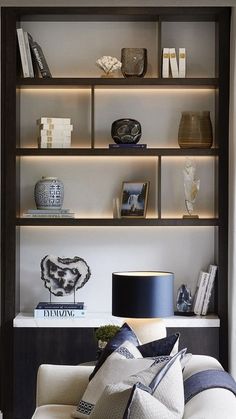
(108, 64)
(191, 186)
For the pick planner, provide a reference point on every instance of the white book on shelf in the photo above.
(63, 215)
(200, 292)
(165, 62)
(212, 272)
(28, 54)
(54, 145)
(55, 133)
(56, 127)
(53, 120)
(173, 63)
(23, 53)
(48, 211)
(182, 62)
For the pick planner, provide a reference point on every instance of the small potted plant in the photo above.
(103, 334)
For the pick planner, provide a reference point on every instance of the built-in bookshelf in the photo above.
(92, 173)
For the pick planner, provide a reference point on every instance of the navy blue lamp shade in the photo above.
(137, 294)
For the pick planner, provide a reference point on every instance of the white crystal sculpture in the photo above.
(191, 185)
(108, 64)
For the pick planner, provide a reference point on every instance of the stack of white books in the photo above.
(204, 290)
(170, 62)
(49, 213)
(54, 132)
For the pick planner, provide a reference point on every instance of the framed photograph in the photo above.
(134, 198)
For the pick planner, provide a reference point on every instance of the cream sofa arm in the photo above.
(61, 384)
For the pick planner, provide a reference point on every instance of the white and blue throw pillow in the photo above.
(154, 393)
(123, 362)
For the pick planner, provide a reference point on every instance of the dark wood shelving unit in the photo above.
(115, 152)
(18, 389)
(123, 222)
(210, 83)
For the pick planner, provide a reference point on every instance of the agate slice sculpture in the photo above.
(63, 276)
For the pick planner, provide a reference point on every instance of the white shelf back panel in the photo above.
(173, 198)
(90, 183)
(60, 103)
(182, 250)
(199, 40)
(158, 111)
(72, 48)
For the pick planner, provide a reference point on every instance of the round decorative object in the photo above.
(126, 131)
(195, 130)
(134, 62)
(49, 193)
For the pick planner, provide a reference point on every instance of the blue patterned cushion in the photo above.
(159, 347)
(125, 333)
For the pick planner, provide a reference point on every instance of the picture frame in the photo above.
(134, 197)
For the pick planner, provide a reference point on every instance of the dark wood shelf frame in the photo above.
(132, 152)
(11, 156)
(197, 83)
(119, 222)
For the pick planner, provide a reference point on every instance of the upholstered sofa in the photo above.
(59, 388)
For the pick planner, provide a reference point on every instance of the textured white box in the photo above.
(165, 62)
(173, 63)
(182, 62)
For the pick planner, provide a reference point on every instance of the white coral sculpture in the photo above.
(108, 64)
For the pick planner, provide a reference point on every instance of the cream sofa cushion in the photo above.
(53, 411)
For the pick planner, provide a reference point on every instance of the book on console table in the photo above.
(61, 306)
(200, 292)
(59, 310)
(127, 145)
(34, 213)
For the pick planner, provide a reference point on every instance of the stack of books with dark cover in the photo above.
(60, 310)
(49, 213)
(54, 132)
(127, 145)
(31, 53)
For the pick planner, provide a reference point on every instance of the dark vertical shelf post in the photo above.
(159, 49)
(159, 187)
(9, 206)
(92, 117)
(223, 133)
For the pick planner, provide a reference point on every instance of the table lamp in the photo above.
(143, 298)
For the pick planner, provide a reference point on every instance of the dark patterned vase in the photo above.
(126, 131)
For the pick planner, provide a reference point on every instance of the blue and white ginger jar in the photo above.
(49, 193)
